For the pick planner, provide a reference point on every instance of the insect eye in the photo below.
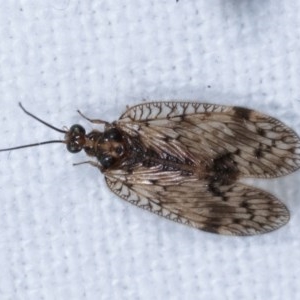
(112, 134)
(76, 138)
(74, 147)
(106, 161)
(77, 130)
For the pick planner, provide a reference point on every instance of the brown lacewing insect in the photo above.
(184, 160)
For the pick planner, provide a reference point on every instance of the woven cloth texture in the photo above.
(63, 233)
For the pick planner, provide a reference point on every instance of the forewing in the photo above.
(261, 146)
(241, 210)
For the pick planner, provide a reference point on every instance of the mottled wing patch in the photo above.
(239, 210)
(261, 146)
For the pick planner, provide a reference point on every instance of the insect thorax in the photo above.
(108, 146)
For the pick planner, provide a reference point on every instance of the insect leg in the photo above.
(94, 121)
(90, 162)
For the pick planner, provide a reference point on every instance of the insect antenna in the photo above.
(41, 121)
(40, 143)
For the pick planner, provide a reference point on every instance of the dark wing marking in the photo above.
(261, 146)
(239, 210)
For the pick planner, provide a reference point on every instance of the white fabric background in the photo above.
(63, 234)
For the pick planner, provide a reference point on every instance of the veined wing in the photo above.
(238, 210)
(259, 145)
